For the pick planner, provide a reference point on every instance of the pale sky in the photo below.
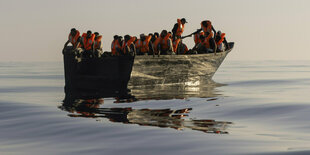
(36, 30)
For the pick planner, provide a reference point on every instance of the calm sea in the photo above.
(252, 107)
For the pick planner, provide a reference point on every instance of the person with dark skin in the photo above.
(116, 47)
(74, 38)
(220, 39)
(207, 45)
(154, 37)
(207, 26)
(178, 28)
(165, 44)
(129, 46)
(144, 45)
(97, 45)
(87, 43)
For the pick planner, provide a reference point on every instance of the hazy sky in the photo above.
(36, 30)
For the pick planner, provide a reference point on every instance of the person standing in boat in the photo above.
(128, 46)
(144, 45)
(164, 43)
(178, 28)
(87, 43)
(74, 39)
(98, 45)
(116, 46)
(220, 39)
(207, 28)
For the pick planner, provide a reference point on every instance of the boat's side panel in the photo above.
(105, 74)
(168, 69)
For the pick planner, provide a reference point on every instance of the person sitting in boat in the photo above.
(164, 44)
(197, 37)
(116, 46)
(178, 28)
(220, 39)
(74, 39)
(144, 45)
(154, 37)
(87, 43)
(98, 45)
(183, 49)
(207, 45)
(128, 46)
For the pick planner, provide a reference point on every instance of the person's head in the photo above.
(204, 23)
(96, 34)
(73, 31)
(183, 21)
(115, 37)
(151, 34)
(142, 37)
(219, 33)
(127, 37)
(163, 33)
(88, 33)
(120, 38)
(156, 34)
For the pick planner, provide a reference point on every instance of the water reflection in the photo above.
(200, 88)
(164, 118)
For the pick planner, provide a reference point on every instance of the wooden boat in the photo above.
(176, 69)
(107, 75)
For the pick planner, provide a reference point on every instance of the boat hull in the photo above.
(105, 76)
(176, 69)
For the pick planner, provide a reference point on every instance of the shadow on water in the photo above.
(163, 118)
(92, 107)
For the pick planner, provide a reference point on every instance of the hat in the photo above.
(183, 19)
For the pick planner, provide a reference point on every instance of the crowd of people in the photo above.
(207, 40)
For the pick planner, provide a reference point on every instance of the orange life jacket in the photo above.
(98, 42)
(206, 43)
(197, 37)
(221, 40)
(156, 42)
(164, 42)
(208, 28)
(88, 42)
(74, 39)
(115, 44)
(128, 43)
(175, 44)
(180, 29)
(143, 45)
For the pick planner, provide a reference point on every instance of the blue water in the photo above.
(252, 107)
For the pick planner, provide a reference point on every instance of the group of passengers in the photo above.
(165, 43)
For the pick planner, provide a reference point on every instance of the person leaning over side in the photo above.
(178, 28)
(128, 46)
(219, 40)
(164, 43)
(97, 45)
(87, 43)
(73, 38)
